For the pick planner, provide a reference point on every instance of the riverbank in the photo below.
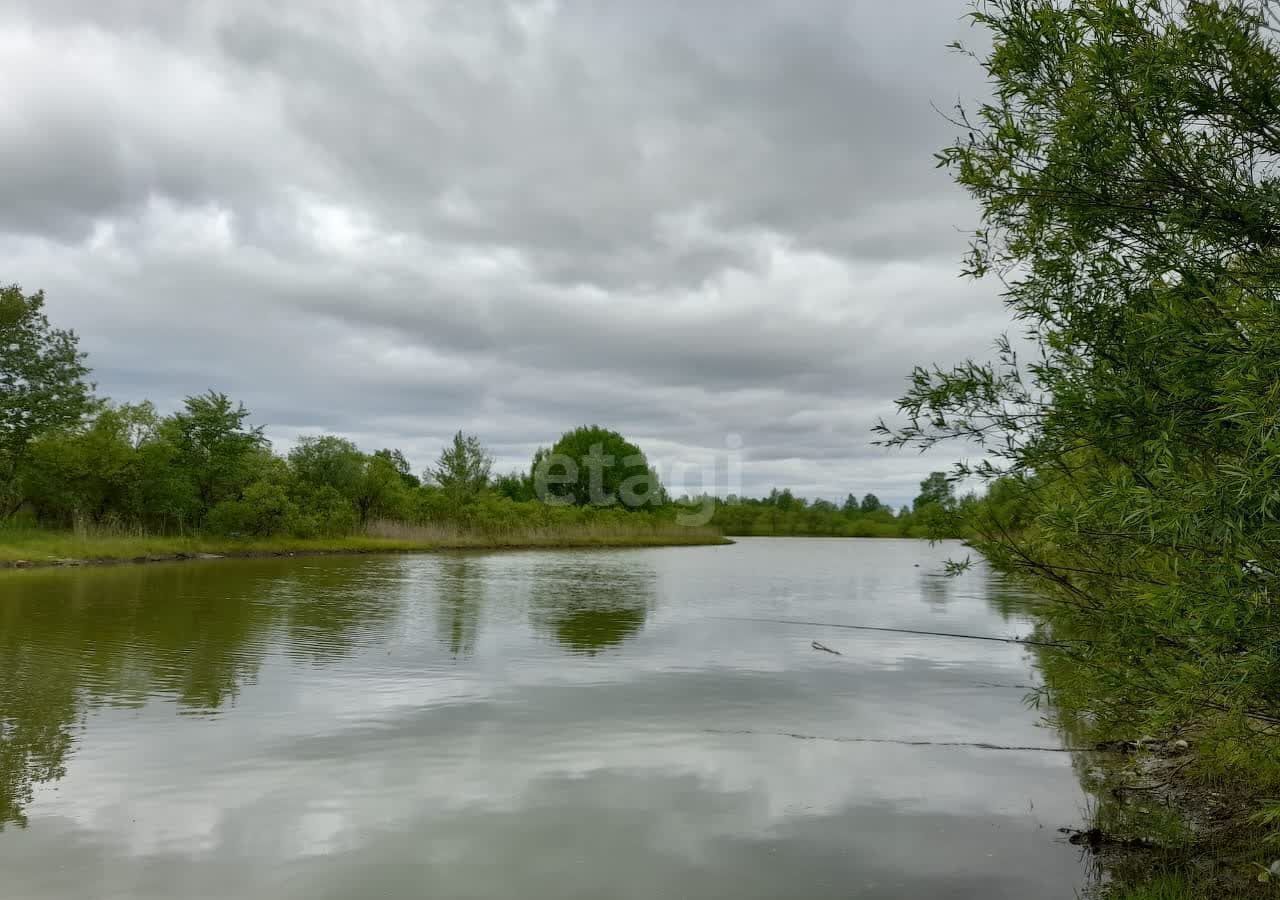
(32, 548)
(1179, 814)
(1160, 828)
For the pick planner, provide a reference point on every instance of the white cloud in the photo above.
(397, 220)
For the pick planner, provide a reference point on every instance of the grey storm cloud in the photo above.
(683, 220)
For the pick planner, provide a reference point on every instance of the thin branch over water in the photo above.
(976, 745)
(951, 634)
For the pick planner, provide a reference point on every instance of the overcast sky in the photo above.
(393, 219)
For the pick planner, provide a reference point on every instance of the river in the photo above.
(569, 724)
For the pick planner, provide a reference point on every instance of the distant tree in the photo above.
(85, 471)
(329, 460)
(215, 448)
(463, 468)
(593, 466)
(383, 490)
(936, 490)
(397, 461)
(375, 486)
(870, 504)
(323, 512)
(162, 496)
(119, 466)
(514, 486)
(42, 382)
(784, 500)
(263, 509)
(850, 505)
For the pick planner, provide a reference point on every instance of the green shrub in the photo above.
(323, 512)
(264, 510)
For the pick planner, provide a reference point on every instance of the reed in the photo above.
(117, 543)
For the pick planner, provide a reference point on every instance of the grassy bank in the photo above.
(1177, 813)
(43, 547)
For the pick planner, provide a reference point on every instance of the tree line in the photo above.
(935, 512)
(68, 458)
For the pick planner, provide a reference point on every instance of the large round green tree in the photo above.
(593, 466)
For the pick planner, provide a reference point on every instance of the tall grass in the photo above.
(606, 533)
(113, 542)
(85, 529)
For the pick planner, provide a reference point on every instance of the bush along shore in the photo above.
(1125, 171)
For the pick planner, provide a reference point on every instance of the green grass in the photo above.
(1206, 809)
(1162, 887)
(44, 547)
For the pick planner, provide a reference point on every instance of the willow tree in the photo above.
(1126, 169)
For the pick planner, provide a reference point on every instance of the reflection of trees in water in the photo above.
(35, 735)
(1011, 599)
(461, 597)
(593, 603)
(332, 607)
(1094, 771)
(71, 641)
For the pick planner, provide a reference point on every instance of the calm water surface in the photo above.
(542, 725)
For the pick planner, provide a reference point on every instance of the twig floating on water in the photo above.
(825, 649)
